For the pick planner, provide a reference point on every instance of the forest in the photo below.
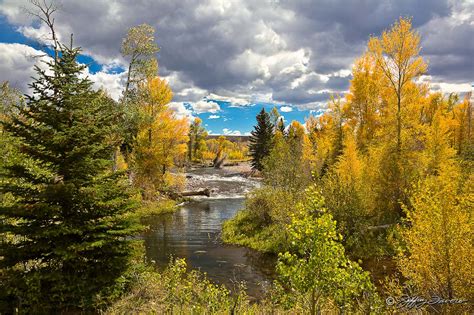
(382, 179)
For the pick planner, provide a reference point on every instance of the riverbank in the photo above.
(150, 208)
(195, 183)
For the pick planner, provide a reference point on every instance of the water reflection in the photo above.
(193, 233)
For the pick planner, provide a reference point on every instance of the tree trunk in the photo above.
(399, 122)
(127, 84)
(219, 162)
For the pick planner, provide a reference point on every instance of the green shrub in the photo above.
(316, 269)
(178, 291)
(262, 224)
(148, 208)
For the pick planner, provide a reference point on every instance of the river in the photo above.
(193, 233)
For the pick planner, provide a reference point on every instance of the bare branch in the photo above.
(44, 11)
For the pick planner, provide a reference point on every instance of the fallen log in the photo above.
(202, 192)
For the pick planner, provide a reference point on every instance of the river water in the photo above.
(193, 233)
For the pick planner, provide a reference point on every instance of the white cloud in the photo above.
(204, 106)
(252, 65)
(451, 87)
(287, 50)
(23, 58)
(234, 101)
(229, 132)
(342, 73)
(17, 63)
(180, 110)
(313, 106)
(13, 10)
(41, 34)
(214, 117)
(286, 109)
(183, 90)
(445, 87)
(112, 83)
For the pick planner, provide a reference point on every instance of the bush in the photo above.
(178, 291)
(148, 208)
(261, 225)
(316, 269)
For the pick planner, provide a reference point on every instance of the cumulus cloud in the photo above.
(41, 34)
(112, 83)
(233, 100)
(448, 44)
(214, 117)
(181, 111)
(286, 109)
(289, 52)
(17, 63)
(204, 106)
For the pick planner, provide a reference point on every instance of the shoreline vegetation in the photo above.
(391, 166)
(386, 171)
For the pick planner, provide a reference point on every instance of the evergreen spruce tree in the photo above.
(261, 140)
(65, 235)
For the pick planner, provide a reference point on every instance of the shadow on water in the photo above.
(193, 232)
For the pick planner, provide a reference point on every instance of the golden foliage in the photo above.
(161, 140)
(167, 148)
(440, 238)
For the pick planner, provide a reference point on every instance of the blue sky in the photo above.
(225, 60)
(232, 119)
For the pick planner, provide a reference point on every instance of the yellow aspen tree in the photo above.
(311, 142)
(344, 191)
(439, 237)
(437, 150)
(140, 48)
(157, 95)
(197, 140)
(363, 100)
(169, 146)
(463, 127)
(161, 138)
(396, 54)
(326, 136)
(217, 149)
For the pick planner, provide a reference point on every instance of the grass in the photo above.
(244, 230)
(149, 208)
